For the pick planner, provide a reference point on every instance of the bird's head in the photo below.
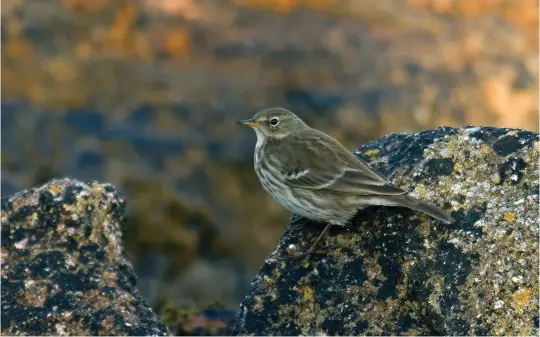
(274, 123)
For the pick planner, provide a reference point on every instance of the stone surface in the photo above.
(396, 272)
(144, 94)
(191, 321)
(64, 271)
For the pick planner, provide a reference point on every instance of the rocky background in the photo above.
(143, 94)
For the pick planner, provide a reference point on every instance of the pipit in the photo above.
(313, 175)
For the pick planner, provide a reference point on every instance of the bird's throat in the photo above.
(260, 138)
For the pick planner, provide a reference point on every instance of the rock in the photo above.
(64, 271)
(397, 272)
(189, 321)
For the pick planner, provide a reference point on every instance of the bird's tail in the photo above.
(420, 206)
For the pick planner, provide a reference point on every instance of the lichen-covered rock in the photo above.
(399, 272)
(186, 320)
(64, 271)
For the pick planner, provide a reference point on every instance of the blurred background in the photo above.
(144, 94)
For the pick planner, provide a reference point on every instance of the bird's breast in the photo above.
(258, 151)
(267, 171)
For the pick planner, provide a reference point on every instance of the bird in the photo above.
(313, 175)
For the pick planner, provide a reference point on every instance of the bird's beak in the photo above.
(249, 122)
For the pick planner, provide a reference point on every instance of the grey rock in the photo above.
(64, 271)
(397, 272)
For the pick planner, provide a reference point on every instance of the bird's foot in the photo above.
(312, 248)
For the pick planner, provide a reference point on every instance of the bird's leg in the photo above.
(298, 255)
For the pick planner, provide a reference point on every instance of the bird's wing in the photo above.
(324, 164)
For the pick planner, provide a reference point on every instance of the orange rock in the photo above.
(94, 5)
(177, 43)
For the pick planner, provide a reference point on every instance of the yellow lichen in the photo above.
(420, 190)
(307, 292)
(521, 298)
(509, 216)
(372, 153)
(34, 219)
(452, 147)
(77, 237)
(54, 189)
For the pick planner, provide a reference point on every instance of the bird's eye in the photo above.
(274, 121)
